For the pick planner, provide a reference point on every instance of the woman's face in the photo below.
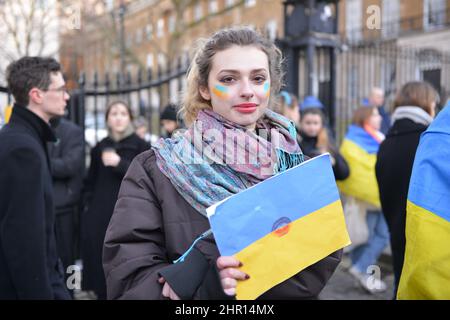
(311, 124)
(239, 84)
(374, 120)
(118, 118)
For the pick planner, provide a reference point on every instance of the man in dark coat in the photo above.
(67, 165)
(29, 264)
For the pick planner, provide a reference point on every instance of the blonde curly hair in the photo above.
(197, 75)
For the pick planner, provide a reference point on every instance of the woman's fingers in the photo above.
(166, 290)
(234, 274)
(228, 262)
(228, 283)
(230, 291)
(173, 295)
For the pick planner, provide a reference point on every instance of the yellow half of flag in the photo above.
(295, 248)
(426, 270)
(362, 182)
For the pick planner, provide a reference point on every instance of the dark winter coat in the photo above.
(67, 163)
(101, 190)
(153, 225)
(393, 170)
(29, 265)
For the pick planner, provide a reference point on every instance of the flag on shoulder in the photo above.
(426, 268)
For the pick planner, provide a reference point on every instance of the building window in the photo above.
(250, 3)
(139, 36)
(161, 60)
(172, 23)
(390, 18)
(198, 11)
(160, 28)
(149, 31)
(353, 20)
(109, 5)
(128, 40)
(434, 13)
(213, 7)
(271, 29)
(229, 3)
(150, 60)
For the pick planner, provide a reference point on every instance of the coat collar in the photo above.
(35, 123)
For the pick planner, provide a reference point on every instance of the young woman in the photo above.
(110, 160)
(161, 206)
(316, 141)
(359, 149)
(414, 110)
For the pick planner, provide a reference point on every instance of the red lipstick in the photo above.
(246, 107)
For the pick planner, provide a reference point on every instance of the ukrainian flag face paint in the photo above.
(267, 89)
(221, 91)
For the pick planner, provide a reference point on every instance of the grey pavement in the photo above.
(343, 286)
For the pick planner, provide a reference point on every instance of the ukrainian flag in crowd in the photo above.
(359, 149)
(8, 112)
(282, 225)
(426, 269)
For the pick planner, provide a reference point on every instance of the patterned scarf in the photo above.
(216, 158)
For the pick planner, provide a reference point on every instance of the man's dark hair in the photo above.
(28, 73)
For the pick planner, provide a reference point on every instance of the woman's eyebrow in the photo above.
(237, 71)
(259, 70)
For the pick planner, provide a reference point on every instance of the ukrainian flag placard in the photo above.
(360, 149)
(426, 268)
(282, 225)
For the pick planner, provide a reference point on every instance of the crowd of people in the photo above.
(136, 210)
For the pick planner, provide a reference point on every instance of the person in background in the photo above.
(110, 160)
(359, 149)
(141, 129)
(67, 168)
(29, 264)
(288, 107)
(414, 110)
(376, 99)
(169, 120)
(315, 140)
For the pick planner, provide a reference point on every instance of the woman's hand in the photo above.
(110, 158)
(230, 274)
(167, 290)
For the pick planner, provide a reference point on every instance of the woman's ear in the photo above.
(204, 92)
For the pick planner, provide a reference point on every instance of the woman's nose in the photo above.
(246, 90)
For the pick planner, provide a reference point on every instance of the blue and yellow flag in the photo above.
(426, 269)
(282, 225)
(359, 149)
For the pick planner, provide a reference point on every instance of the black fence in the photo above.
(146, 93)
